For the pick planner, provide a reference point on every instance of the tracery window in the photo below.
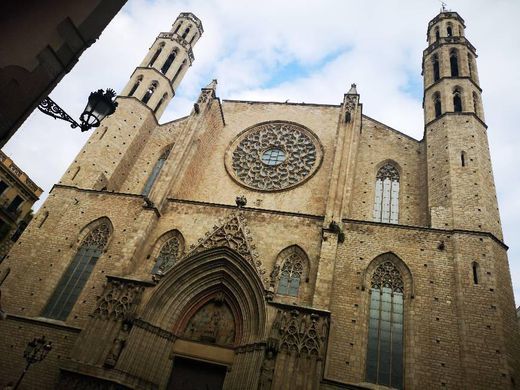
(155, 172)
(386, 203)
(385, 329)
(77, 273)
(291, 275)
(167, 257)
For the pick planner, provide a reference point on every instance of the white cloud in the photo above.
(377, 44)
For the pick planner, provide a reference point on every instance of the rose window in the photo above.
(274, 156)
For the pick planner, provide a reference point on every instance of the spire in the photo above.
(212, 85)
(353, 90)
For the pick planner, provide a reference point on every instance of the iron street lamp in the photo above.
(35, 352)
(100, 105)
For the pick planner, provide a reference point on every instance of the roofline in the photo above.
(289, 103)
(394, 130)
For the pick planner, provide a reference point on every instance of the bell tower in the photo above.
(156, 79)
(461, 190)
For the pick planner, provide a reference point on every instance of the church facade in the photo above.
(266, 245)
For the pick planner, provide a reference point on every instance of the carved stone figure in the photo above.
(267, 372)
(118, 345)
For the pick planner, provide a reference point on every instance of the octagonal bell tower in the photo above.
(156, 79)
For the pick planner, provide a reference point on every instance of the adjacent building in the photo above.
(269, 245)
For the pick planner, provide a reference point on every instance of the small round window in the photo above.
(273, 156)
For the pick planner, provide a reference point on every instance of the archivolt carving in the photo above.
(297, 151)
(119, 300)
(232, 233)
(303, 333)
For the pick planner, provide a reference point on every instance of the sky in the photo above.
(304, 51)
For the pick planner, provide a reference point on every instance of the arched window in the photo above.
(385, 329)
(475, 104)
(75, 277)
(454, 63)
(436, 68)
(386, 204)
(155, 172)
(186, 32)
(159, 104)
(149, 92)
(291, 274)
(193, 38)
(136, 85)
(470, 65)
(169, 61)
(437, 104)
(457, 100)
(177, 28)
(179, 71)
(437, 33)
(463, 158)
(475, 269)
(449, 30)
(168, 255)
(156, 54)
(348, 117)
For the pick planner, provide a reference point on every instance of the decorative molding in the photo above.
(140, 323)
(119, 300)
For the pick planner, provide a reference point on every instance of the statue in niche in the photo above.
(118, 345)
(212, 323)
(267, 372)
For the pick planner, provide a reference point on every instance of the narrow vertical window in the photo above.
(437, 104)
(149, 92)
(169, 61)
(186, 32)
(291, 275)
(454, 63)
(156, 54)
(19, 230)
(159, 103)
(177, 28)
(179, 71)
(77, 273)
(385, 329)
(457, 100)
(136, 85)
(475, 269)
(475, 104)
(167, 257)
(470, 66)
(193, 38)
(436, 68)
(45, 216)
(449, 30)
(3, 186)
(386, 204)
(75, 173)
(155, 172)
(347, 117)
(437, 33)
(463, 158)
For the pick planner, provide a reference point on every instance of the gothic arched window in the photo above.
(475, 268)
(177, 28)
(470, 66)
(179, 71)
(475, 104)
(386, 204)
(291, 275)
(454, 63)
(149, 92)
(77, 273)
(436, 69)
(159, 103)
(156, 54)
(437, 33)
(449, 30)
(193, 38)
(186, 32)
(385, 329)
(155, 172)
(168, 255)
(136, 85)
(437, 104)
(457, 100)
(169, 61)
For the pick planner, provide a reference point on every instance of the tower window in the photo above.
(463, 158)
(179, 71)
(470, 66)
(449, 30)
(385, 329)
(178, 27)
(155, 172)
(475, 104)
(457, 100)
(475, 270)
(78, 272)
(156, 54)
(149, 92)
(291, 275)
(436, 69)
(159, 104)
(169, 61)
(15, 203)
(437, 33)
(3, 186)
(136, 85)
(454, 63)
(386, 203)
(437, 104)
(186, 32)
(193, 38)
